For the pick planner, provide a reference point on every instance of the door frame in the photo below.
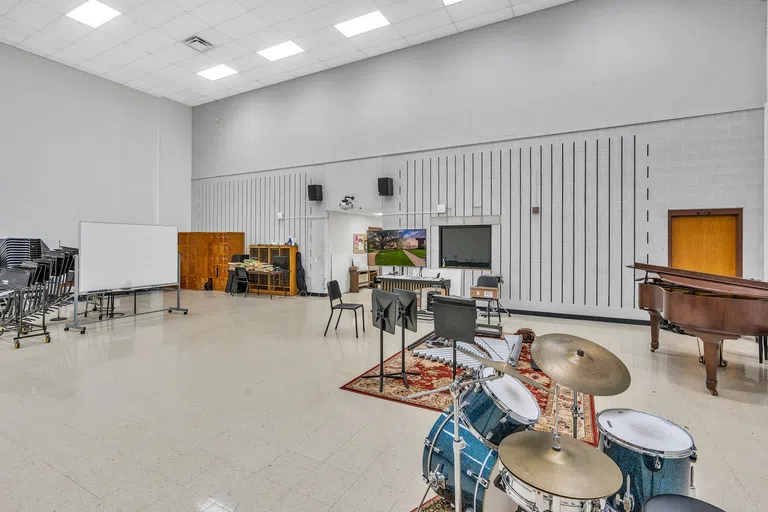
(738, 212)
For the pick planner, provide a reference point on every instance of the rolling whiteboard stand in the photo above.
(76, 325)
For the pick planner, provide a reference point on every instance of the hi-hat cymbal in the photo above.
(506, 369)
(580, 364)
(578, 471)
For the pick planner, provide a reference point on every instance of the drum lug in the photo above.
(692, 484)
(503, 420)
(627, 501)
(657, 464)
(606, 443)
(428, 444)
(480, 480)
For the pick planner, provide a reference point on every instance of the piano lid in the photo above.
(708, 282)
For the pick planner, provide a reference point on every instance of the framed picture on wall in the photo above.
(360, 243)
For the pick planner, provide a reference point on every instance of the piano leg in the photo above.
(711, 345)
(655, 324)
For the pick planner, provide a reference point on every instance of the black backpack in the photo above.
(301, 281)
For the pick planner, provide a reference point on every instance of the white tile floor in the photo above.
(236, 407)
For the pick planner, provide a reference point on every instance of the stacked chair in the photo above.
(33, 287)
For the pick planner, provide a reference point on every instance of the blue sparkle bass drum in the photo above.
(655, 456)
(497, 408)
(479, 468)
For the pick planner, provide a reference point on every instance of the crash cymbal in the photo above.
(578, 471)
(580, 364)
(506, 369)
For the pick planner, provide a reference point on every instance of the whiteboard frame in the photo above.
(143, 287)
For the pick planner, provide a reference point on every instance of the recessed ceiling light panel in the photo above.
(93, 13)
(281, 51)
(215, 73)
(361, 24)
(451, 2)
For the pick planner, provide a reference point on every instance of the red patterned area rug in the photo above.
(435, 375)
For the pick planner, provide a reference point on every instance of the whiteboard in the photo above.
(126, 256)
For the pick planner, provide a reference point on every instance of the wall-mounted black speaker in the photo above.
(315, 192)
(386, 187)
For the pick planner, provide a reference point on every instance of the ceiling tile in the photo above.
(471, 9)
(268, 70)
(124, 74)
(424, 23)
(218, 11)
(42, 45)
(176, 53)
(152, 41)
(245, 87)
(405, 9)
(189, 5)
(155, 13)
(247, 62)
(167, 89)
(99, 66)
(536, 5)
(213, 36)
(149, 63)
(320, 38)
(198, 101)
(191, 81)
(6, 5)
(246, 23)
(182, 27)
(31, 14)
(66, 29)
(282, 10)
(376, 37)
(302, 25)
(199, 62)
(308, 70)
(344, 59)
(184, 95)
(12, 32)
(229, 51)
(345, 10)
(334, 50)
(97, 42)
(124, 54)
(391, 46)
(124, 28)
(254, 4)
(485, 19)
(123, 6)
(152, 80)
(171, 73)
(316, 4)
(262, 39)
(59, 6)
(432, 34)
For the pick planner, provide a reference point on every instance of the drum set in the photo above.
(481, 452)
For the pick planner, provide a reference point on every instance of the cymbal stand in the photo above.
(458, 443)
(556, 431)
(577, 413)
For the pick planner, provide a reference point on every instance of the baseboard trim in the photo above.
(589, 318)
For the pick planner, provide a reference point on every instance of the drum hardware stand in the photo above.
(627, 502)
(458, 443)
(578, 413)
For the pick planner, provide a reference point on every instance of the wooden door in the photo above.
(706, 241)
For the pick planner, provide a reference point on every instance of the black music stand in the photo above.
(455, 319)
(385, 308)
(407, 315)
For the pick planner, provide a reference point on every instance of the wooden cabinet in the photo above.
(205, 257)
(266, 254)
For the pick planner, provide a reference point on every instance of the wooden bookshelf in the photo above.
(266, 254)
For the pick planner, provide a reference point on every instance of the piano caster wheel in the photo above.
(723, 364)
(653, 350)
(713, 391)
(701, 359)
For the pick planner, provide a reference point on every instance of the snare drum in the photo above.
(655, 456)
(531, 499)
(479, 468)
(497, 408)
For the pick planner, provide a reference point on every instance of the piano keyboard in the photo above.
(504, 350)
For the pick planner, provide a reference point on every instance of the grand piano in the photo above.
(712, 307)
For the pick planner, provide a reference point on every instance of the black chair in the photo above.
(334, 293)
(493, 305)
(241, 277)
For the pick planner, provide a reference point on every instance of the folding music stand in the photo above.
(407, 318)
(455, 320)
(385, 309)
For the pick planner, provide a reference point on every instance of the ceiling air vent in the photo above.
(198, 43)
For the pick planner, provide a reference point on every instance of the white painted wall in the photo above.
(77, 147)
(584, 65)
(339, 254)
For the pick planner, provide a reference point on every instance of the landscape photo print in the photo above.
(398, 247)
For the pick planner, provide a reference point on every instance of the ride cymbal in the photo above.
(580, 364)
(577, 471)
(506, 369)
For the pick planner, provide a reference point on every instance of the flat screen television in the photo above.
(398, 247)
(465, 247)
